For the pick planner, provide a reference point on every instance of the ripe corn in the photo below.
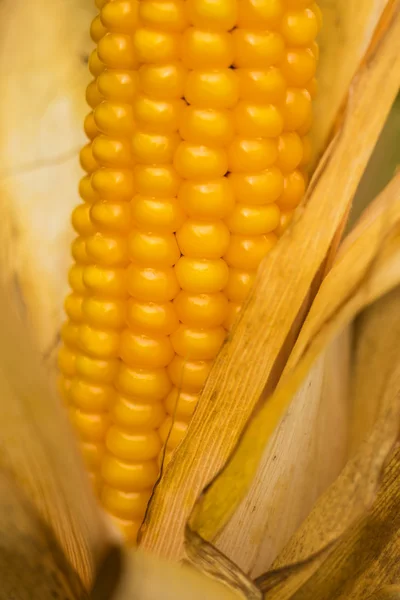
(197, 134)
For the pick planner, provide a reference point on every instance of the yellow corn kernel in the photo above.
(246, 252)
(293, 190)
(102, 312)
(87, 160)
(95, 65)
(93, 96)
(151, 317)
(212, 199)
(219, 16)
(66, 361)
(300, 27)
(155, 46)
(159, 181)
(91, 397)
(188, 374)
(97, 29)
(233, 311)
(112, 184)
(113, 216)
(263, 187)
(286, 217)
(73, 307)
(203, 239)
(90, 126)
(114, 118)
(239, 284)
(125, 504)
(197, 344)
(150, 284)
(133, 446)
(90, 427)
(92, 455)
(253, 220)
(70, 334)
(136, 415)
(157, 214)
(112, 152)
(86, 190)
(116, 50)
(145, 351)
(165, 81)
(120, 15)
(181, 404)
(172, 432)
(96, 369)
(169, 16)
(160, 250)
(201, 276)
(79, 251)
(118, 86)
(201, 310)
(129, 476)
(128, 528)
(196, 160)
(147, 384)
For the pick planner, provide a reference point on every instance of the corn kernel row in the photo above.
(197, 144)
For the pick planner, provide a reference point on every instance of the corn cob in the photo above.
(197, 144)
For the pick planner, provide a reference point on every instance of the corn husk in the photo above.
(32, 565)
(43, 74)
(288, 392)
(300, 461)
(38, 453)
(348, 28)
(376, 351)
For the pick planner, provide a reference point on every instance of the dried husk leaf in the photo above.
(304, 456)
(336, 554)
(32, 566)
(253, 357)
(37, 446)
(43, 56)
(389, 592)
(377, 335)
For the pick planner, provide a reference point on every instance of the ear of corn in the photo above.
(194, 165)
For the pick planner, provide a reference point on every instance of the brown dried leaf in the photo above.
(253, 357)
